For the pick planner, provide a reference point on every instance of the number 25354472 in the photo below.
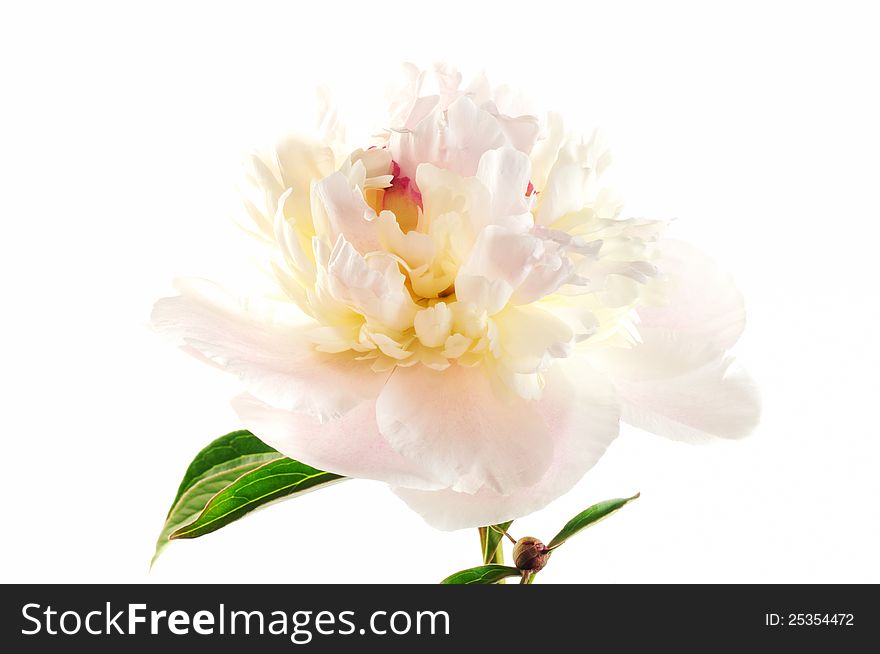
(809, 619)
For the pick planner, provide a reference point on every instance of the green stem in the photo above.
(498, 557)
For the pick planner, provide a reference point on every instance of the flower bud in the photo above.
(530, 554)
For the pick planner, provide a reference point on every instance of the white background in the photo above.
(121, 129)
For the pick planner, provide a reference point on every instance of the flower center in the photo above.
(402, 198)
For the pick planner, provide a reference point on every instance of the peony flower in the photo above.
(462, 311)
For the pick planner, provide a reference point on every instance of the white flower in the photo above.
(466, 316)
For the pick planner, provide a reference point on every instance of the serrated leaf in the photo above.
(269, 482)
(589, 517)
(213, 469)
(494, 535)
(482, 574)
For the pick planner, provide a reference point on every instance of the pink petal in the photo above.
(581, 417)
(471, 131)
(418, 144)
(455, 425)
(347, 213)
(499, 262)
(702, 299)
(454, 139)
(702, 315)
(273, 359)
(718, 399)
(505, 172)
(678, 382)
(350, 445)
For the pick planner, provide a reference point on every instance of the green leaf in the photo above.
(589, 517)
(482, 574)
(492, 540)
(271, 481)
(214, 468)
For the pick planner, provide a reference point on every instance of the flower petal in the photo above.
(445, 192)
(701, 298)
(453, 139)
(521, 131)
(550, 272)
(300, 162)
(263, 193)
(420, 143)
(346, 213)
(415, 248)
(571, 182)
(718, 399)
(470, 132)
(677, 382)
(349, 445)
(580, 414)
(511, 265)
(543, 154)
(499, 262)
(505, 172)
(700, 318)
(529, 338)
(274, 358)
(374, 286)
(455, 424)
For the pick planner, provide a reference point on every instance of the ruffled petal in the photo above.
(498, 263)
(543, 154)
(549, 273)
(454, 424)
(445, 192)
(698, 318)
(505, 172)
(509, 265)
(580, 413)
(274, 358)
(529, 338)
(345, 212)
(374, 286)
(521, 131)
(571, 182)
(349, 445)
(677, 381)
(453, 139)
(419, 143)
(470, 132)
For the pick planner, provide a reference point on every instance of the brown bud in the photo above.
(530, 554)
